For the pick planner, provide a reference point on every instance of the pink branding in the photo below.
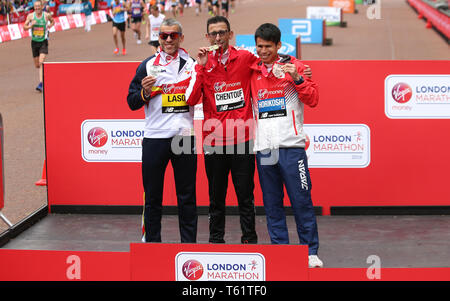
(174, 88)
(192, 269)
(97, 137)
(264, 93)
(224, 86)
(401, 93)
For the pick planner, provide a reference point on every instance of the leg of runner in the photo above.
(122, 37)
(138, 31)
(41, 61)
(116, 43)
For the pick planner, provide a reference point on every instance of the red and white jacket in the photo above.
(224, 84)
(278, 105)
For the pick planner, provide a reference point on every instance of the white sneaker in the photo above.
(139, 42)
(314, 261)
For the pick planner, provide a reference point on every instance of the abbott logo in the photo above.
(301, 27)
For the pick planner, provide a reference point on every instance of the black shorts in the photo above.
(120, 26)
(225, 6)
(136, 19)
(39, 47)
(154, 43)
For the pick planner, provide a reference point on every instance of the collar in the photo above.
(164, 59)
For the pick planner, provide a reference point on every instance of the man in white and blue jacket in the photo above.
(159, 86)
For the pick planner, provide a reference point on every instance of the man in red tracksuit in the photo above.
(222, 77)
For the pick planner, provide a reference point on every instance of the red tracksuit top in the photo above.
(227, 107)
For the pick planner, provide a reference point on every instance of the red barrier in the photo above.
(434, 17)
(2, 184)
(158, 262)
(388, 161)
(174, 259)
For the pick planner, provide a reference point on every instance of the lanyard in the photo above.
(172, 58)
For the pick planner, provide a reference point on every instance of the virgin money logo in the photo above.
(97, 137)
(401, 93)
(262, 93)
(218, 87)
(192, 269)
(307, 142)
(168, 88)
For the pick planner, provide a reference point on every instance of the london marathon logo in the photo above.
(97, 137)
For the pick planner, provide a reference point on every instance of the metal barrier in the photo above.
(2, 183)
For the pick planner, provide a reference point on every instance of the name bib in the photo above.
(228, 96)
(174, 99)
(271, 103)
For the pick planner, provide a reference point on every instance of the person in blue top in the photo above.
(87, 9)
(118, 9)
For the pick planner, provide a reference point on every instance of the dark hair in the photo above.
(268, 32)
(217, 19)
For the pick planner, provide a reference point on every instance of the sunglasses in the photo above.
(214, 34)
(173, 35)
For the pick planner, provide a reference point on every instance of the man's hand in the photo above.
(147, 84)
(292, 70)
(307, 72)
(202, 56)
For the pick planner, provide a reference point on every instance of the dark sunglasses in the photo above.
(214, 34)
(173, 35)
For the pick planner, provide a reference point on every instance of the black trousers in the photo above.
(218, 164)
(156, 154)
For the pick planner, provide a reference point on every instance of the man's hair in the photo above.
(155, 7)
(217, 19)
(172, 22)
(268, 32)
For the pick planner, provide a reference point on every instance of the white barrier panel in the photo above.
(15, 31)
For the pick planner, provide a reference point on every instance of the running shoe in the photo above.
(116, 51)
(124, 51)
(314, 261)
(39, 87)
(139, 42)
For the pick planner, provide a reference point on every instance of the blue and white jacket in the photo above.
(166, 112)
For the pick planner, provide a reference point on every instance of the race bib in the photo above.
(228, 96)
(174, 99)
(38, 31)
(271, 103)
(154, 35)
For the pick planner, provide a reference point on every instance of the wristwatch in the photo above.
(299, 81)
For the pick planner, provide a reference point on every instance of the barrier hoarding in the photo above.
(2, 184)
(350, 139)
(332, 15)
(139, 264)
(2, 177)
(288, 44)
(311, 31)
(348, 6)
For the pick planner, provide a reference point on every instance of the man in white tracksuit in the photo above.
(159, 86)
(279, 93)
